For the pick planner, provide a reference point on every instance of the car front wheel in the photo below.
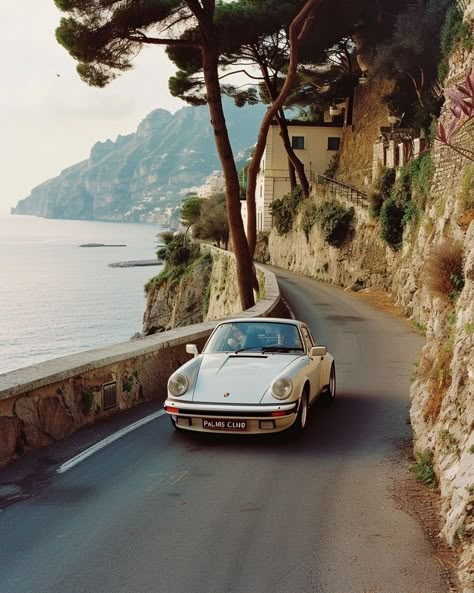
(302, 417)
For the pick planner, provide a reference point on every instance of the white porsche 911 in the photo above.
(254, 376)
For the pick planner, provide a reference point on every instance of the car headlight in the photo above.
(281, 388)
(178, 384)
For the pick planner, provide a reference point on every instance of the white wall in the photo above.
(273, 180)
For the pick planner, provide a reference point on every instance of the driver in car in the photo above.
(288, 337)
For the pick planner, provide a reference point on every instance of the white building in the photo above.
(214, 184)
(314, 145)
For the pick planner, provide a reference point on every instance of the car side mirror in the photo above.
(318, 351)
(192, 349)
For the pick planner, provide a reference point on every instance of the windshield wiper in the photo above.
(256, 348)
(280, 349)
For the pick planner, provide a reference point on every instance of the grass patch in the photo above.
(419, 326)
(423, 468)
(448, 439)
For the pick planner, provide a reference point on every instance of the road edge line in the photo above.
(107, 441)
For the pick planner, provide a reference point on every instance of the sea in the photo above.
(57, 298)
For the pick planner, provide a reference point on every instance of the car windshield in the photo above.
(257, 336)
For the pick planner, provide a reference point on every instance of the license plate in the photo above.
(224, 424)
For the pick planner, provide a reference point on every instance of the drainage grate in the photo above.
(109, 395)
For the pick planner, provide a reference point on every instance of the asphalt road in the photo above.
(161, 512)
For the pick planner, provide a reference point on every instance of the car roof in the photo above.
(262, 320)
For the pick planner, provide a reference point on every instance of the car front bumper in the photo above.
(241, 419)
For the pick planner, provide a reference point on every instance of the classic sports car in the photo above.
(254, 376)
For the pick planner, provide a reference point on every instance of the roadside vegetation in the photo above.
(443, 273)
(400, 200)
(423, 468)
(203, 219)
(334, 220)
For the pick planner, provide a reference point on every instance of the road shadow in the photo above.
(352, 423)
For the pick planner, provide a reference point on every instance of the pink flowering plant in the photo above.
(461, 106)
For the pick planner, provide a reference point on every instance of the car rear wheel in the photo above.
(330, 391)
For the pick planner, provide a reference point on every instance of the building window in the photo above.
(333, 143)
(297, 142)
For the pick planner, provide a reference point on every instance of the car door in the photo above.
(314, 364)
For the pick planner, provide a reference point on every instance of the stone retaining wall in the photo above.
(46, 402)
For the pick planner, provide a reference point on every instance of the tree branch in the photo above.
(239, 72)
(142, 38)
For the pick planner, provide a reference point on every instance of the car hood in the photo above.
(245, 377)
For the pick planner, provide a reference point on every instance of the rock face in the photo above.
(176, 302)
(442, 395)
(208, 290)
(139, 175)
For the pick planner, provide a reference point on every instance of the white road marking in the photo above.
(107, 441)
(290, 311)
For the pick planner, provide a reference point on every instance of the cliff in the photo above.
(442, 393)
(206, 290)
(140, 175)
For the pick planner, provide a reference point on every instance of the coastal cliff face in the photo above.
(139, 177)
(442, 394)
(207, 290)
(178, 301)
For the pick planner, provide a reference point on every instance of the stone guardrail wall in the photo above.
(46, 402)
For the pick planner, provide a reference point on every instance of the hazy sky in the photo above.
(49, 122)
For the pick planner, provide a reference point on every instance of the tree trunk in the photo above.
(294, 160)
(298, 29)
(291, 175)
(224, 149)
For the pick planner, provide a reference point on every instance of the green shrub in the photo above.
(178, 255)
(263, 237)
(332, 166)
(386, 181)
(182, 254)
(308, 218)
(381, 189)
(401, 190)
(335, 222)
(454, 32)
(284, 211)
(423, 468)
(128, 383)
(406, 201)
(411, 215)
(421, 173)
(375, 203)
(391, 223)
